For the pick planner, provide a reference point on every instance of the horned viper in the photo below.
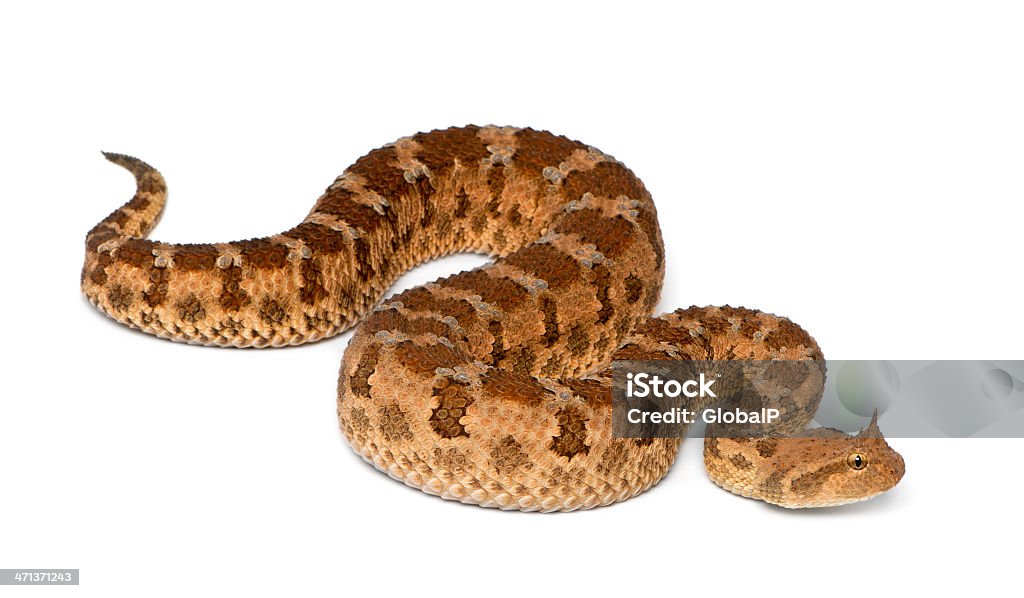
(490, 386)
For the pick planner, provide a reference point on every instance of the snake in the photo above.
(492, 386)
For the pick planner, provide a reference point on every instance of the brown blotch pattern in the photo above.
(547, 263)
(440, 148)
(522, 359)
(425, 359)
(98, 275)
(195, 257)
(382, 174)
(359, 381)
(507, 456)
(120, 297)
(313, 291)
(785, 334)
(461, 204)
(579, 340)
(711, 446)
(451, 460)
(320, 239)
(810, 483)
(156, 293)
(496, 184)
(271, 312)
(232, 297)
(611, 236)
(263, 254)
(634, 288)
(647, 219)
(358, 420)
(572, 433)
(508, 386)
(497, 291)
(453, 399)
(594, 392)
(538, 149)
(602, 282)
(606, 179)
(550, 310)
(425, 302)
(767, 447)
(394, 425)
(191, 309)
(740, 461)
(392, 321)
(497, 352)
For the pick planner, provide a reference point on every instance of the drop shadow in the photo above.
(887, 502)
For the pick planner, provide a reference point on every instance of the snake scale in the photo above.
(491, 386)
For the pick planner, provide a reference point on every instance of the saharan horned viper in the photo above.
(490, 386)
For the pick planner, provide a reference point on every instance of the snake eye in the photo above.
(857, 461)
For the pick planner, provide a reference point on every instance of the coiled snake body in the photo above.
(490, 386)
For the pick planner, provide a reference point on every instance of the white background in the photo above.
(855, 166)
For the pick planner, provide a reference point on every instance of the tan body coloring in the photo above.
(489, 386)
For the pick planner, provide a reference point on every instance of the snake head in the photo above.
(874, 466)
(842, 469)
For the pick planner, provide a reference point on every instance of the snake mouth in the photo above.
(835, 503)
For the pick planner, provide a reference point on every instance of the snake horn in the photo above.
(872, 430)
